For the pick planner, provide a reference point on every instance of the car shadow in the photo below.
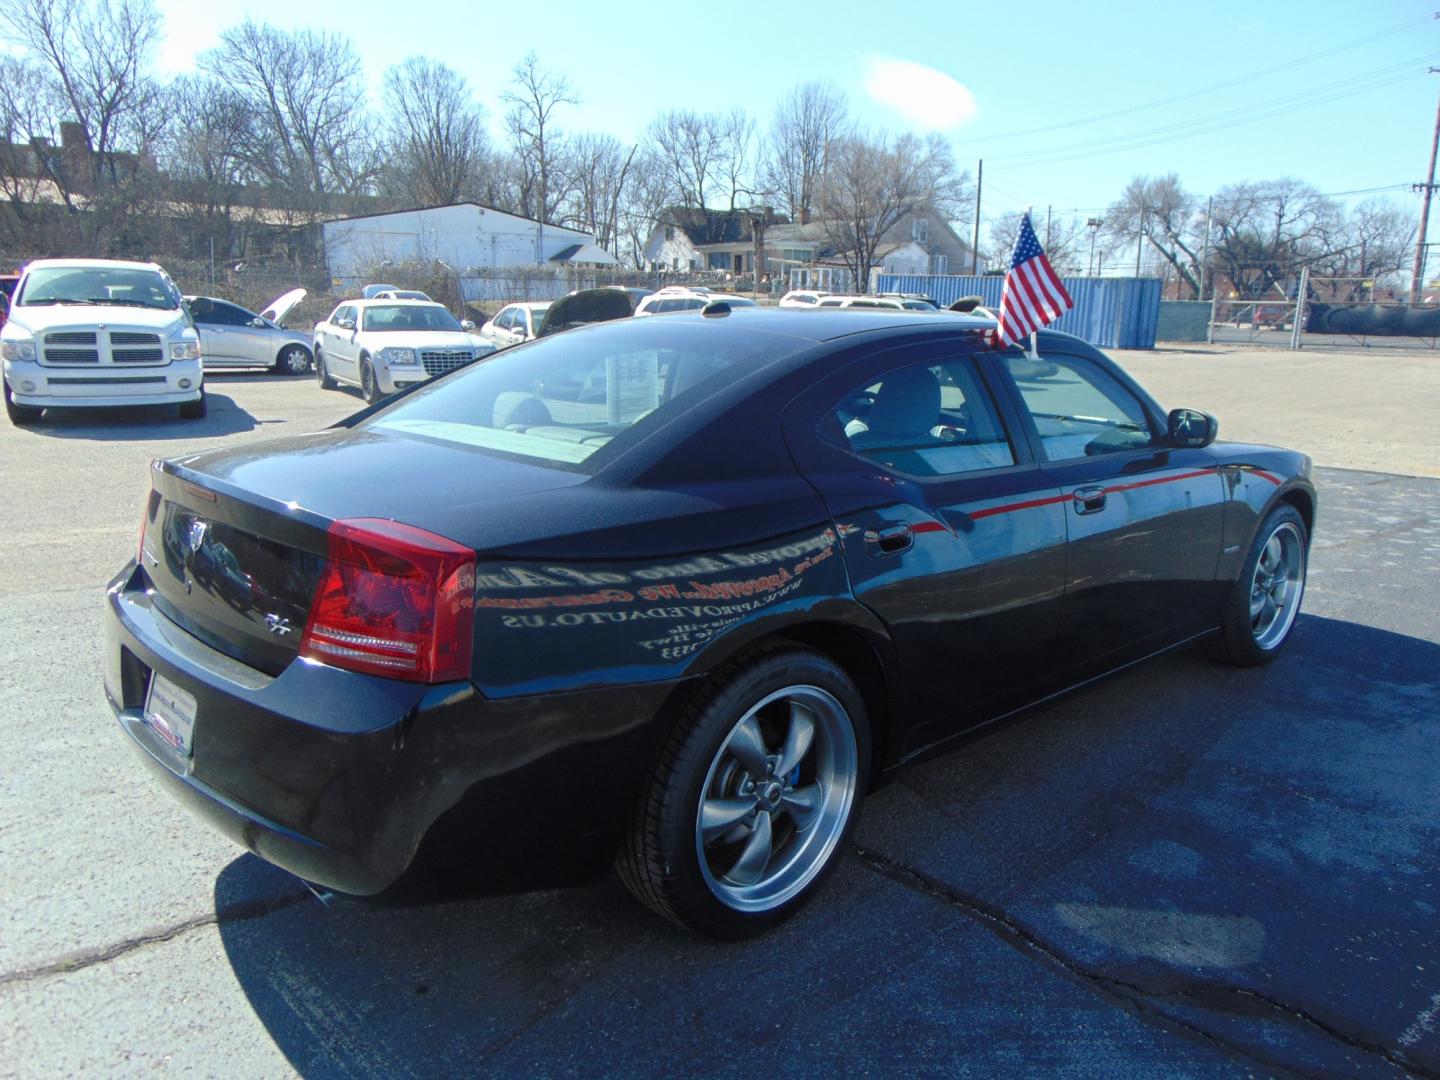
(875, 976)
(138, 423)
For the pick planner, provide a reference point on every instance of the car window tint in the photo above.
(924, 420)
(219, 313)
(1078, 409)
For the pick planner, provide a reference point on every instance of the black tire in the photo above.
(20, 415)
(369, 385)
(1242, 640)
(322, 376)
(194, 410)
(660, 861)
(293, 360)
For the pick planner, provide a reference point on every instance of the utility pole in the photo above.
(975, 247)
(1205, 250)
(1093, 224)
(1048, 209)
(1140, 241)
(1429, 188)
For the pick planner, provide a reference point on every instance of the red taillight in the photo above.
(393, 600)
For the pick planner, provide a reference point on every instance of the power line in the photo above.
(1205, 125)
(1243, 79)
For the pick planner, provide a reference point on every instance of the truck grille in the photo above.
(73, 348)
(136, 356)
(72, 356)
(439, 361)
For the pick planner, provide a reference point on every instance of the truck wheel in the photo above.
(20, 414)
(194, 410)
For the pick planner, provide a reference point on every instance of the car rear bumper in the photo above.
(339, 777)
(45, 387)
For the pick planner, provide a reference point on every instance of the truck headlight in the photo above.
(394, 354)
(184, 350)
(18, 349)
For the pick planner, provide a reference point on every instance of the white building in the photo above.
(465, 236)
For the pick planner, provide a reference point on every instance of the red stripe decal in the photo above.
(1158, 480)
(991, 511)
(1268, 476)
(927, 526)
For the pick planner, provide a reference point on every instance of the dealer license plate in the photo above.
(171, 712)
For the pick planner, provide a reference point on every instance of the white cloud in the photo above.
(928, 98)
(190, 29)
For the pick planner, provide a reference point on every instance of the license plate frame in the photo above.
(170, 712)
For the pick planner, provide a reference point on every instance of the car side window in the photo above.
(506, 319)
(345, 312)
(923, 420)
(1078, 409)
(229, 315)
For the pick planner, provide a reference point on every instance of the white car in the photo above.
(383, 346)
(233, 336)
(802, 298)
(673, 299)
(400, 294)
(861, 302)
(86, 332)
(515, 323)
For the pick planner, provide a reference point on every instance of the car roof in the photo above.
(80, 264)
(380, 301)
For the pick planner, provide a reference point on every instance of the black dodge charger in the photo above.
(671, 595)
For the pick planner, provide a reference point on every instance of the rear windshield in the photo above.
(577, 400)
(110, 285)
(409, 317)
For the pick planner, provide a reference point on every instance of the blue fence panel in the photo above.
(1112, 313)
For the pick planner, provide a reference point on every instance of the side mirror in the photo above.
(521, 333)
(467, 325)
(1190, 429)
(346, 324)
(258, 323)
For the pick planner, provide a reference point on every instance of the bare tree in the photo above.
(1263, 232)
(736, 147)
(691, 149)
(312, 136)
(873, 183)
(1378, 243)
(1064, 244)
(205, 156)
(98, 55)
(436, 133)
(642, 202)
(1159, 213)
(29, 108)
(810, 117)
(602, 168)
(533, 96)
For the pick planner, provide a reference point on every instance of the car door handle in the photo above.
(1088, 500)
(889, 539)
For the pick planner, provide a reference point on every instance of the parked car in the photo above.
(913, 301)
(7, 294)
(802, 298)
(233, 336)
(515, 323)
(85, 332)
(673, 594)
(586, 306)
(383, 346)
(670, 300)
(371, 292)
(836, 301)
(400, 294)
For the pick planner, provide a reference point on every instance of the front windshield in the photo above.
(401, 317)
(122, 286)
(592, 391)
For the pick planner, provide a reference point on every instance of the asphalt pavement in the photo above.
(1186, 870)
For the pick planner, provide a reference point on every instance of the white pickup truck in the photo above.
(87, 332)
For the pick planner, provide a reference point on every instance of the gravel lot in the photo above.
(1187, 870)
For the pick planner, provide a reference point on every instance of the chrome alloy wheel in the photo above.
(1276, 587)
(777, 798)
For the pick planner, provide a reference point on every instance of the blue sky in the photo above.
(984, 74)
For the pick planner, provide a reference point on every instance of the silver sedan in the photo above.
(233, 336)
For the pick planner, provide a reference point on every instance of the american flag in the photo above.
(1033, 296)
